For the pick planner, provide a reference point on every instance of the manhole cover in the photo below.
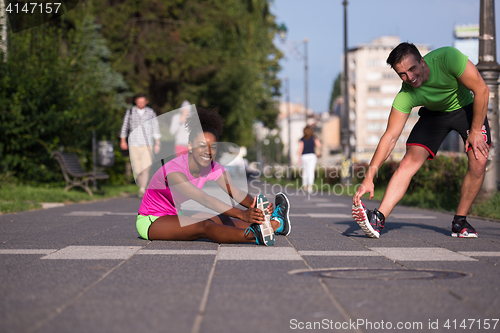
(380, 274)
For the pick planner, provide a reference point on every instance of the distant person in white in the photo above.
(308, 158)
(178, 129)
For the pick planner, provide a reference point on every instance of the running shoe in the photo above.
(260, 239)
(266, 228)
(281, 213)
(370, 221)
(462, 229)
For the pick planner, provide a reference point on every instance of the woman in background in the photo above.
(308, 157)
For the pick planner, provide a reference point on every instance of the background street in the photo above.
(83, 268)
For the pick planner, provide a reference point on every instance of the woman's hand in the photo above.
(270, 208)
(253, 214)
(366, 186)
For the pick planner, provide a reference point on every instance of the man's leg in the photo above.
(472, 182)
(412, 161)
(144, 178)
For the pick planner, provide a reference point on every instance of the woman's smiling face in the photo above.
(204, 148)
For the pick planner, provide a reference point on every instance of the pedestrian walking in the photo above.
(308, 158)
(140, 143)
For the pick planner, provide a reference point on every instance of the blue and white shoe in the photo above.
(282, 214)
(260, 239)
(266, 229)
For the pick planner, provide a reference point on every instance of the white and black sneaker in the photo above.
(370, 221)
(259, 237)
(266, 228)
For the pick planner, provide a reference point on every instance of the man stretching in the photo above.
(441, 82)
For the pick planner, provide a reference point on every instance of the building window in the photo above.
(372, 140)
(390, 88)
(374, 89)
(377, 115)
(371, 102)
(375, 63)
(375, 127)
(389, 75)
(373, 76)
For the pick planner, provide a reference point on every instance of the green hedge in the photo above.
(436, 185)
(443, 173)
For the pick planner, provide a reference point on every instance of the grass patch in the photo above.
(426, 199)
(17, 198)
(489, 208)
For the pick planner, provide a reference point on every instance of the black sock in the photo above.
(381, 215)
(459, 217)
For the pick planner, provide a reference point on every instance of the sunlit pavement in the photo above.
(83, 268)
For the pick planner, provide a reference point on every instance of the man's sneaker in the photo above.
(281, 213)
(370, 221)
(462, 229)
(260, 239)
(266, 228)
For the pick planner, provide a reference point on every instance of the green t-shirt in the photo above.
(442, 91)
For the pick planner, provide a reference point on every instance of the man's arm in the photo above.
(156, 132)
(123, 132)
(472, 80)
(395, 125)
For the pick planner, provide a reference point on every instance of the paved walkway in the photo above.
(83, 268)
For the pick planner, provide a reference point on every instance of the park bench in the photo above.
(73, 172)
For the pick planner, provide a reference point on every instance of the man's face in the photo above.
(411, 71)
(141, 102)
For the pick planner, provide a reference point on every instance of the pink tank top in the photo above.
(160, 200)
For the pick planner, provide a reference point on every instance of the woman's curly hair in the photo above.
(209, 119)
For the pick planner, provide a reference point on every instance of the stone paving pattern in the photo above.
(83, 268)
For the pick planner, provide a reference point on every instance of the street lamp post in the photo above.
(489, 69)
(346, 126)
(306, 92)
(289, 121)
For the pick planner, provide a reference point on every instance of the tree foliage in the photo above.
(336, 91)
(56, 87)
(210, 52)
(70, 76)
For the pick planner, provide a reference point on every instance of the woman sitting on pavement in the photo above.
(183, 178)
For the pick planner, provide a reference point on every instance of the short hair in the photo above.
(209, 119)
(401, 51)
(140, 95)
